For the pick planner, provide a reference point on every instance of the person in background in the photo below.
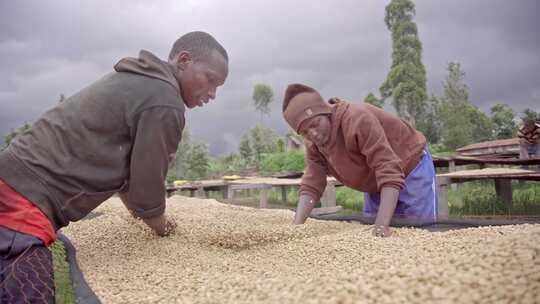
(529, 139)
(366, 149)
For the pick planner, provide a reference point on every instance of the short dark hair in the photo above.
(293, 90)
(198, 44)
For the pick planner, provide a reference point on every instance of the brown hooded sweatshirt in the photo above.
(116, 135)
(368, 149)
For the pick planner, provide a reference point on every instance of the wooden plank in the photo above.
(489, 173)
(325, 210)
(249, 186)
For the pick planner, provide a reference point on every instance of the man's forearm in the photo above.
(389, 198)
(303, 210)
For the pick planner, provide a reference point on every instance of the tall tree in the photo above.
(179, 166)
(431, 124)
(262, 96)
(372, 100)
(257, 141)
(462, 122)
(406, 81)
(198, 161)
(504, 125)
(529, 113)
(245, 148)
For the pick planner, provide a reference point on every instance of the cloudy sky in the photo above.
(340, 47)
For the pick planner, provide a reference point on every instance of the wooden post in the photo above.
(442, 195)
(284, 193)
(230, 192)
(328, 199)
(263, 203)
(503, 188)
(452, 168)
(264, 198)
(225, 191)
(200, 192)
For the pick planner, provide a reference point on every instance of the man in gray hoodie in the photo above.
(117, 135)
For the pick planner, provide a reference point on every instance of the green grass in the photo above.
(349, 198)
(62, 282)
(479, 198)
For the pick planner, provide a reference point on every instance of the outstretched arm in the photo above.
(389, 198)
(160, 224)
(303, 210)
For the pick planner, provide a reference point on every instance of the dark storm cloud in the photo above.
(340, 47)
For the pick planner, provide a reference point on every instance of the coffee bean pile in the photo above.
(230, 254)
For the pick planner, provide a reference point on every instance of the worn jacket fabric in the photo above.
(368, 149)
(115, 135)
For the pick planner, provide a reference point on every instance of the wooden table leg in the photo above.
(442, 195)
(264, 198)
(284, 194)
(328, 199)
(503, 188)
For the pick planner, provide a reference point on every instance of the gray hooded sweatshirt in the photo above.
(117, 135)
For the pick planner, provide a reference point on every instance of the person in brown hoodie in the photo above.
(366, 149)
(117, 135)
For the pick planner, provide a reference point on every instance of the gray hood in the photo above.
(148, 65)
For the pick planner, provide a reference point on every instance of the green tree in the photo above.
(481, 124)
(246, 152)
(230, 164)
(406, 81)
(198, 161)
(529, 113)
(262, 96)
(504, 125)
(280, 144)
(262, 141)
(372, 100)
(14, 133)
(178, 168)
(462, 122)
(430, 125)
(256, 142)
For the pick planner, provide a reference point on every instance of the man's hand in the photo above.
(161, 225)
(303, 210)
(381, 231)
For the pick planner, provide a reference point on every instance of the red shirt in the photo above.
(19, 214)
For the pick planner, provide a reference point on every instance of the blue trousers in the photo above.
(418, 200)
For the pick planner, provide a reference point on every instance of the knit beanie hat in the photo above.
(302, 102)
